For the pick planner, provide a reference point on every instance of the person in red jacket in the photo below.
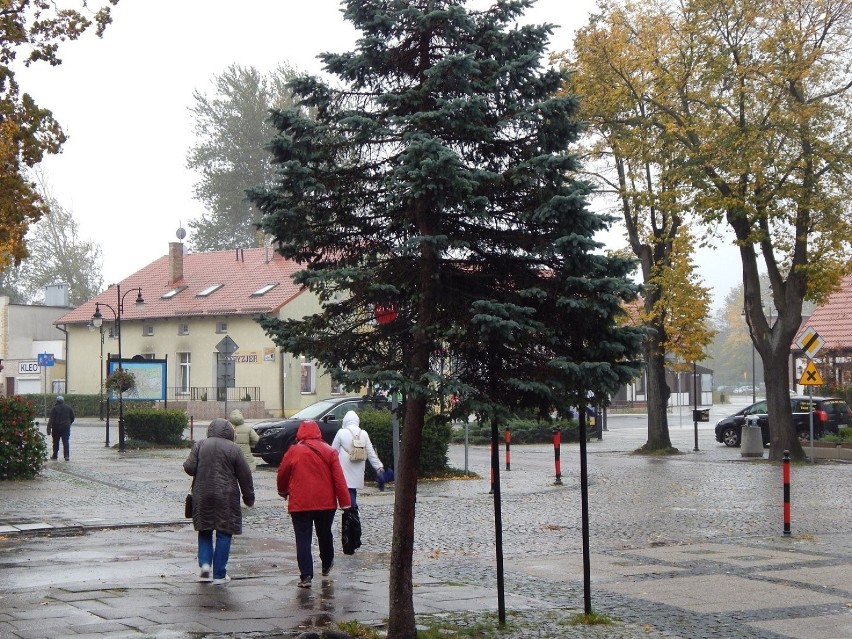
(311, 480)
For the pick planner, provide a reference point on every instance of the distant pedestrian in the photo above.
(311, 479)
(59, 427)
(221, 476)
(245, 436)
(353, 468)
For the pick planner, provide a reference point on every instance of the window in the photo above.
(148, 330)
(308, 378)
(172, 293)
(263, 290)
(183, 329)
(183, 369)
(221, 327)
(337, 388)
(209, 290)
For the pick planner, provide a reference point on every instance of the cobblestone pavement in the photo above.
(685, 546)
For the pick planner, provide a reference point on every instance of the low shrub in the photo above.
(22, 446)
(163, 427)
(435, 445)
(843, 436)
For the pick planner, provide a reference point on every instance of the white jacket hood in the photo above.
(351, 419)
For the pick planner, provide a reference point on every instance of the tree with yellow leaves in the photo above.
(30, 31)
(630, 162)
(745, 105)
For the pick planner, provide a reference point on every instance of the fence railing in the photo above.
(214, 394)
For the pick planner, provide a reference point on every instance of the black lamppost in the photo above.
(98, 320)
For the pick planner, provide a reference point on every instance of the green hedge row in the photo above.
(163, 427)
(83, 405)
(522, 431)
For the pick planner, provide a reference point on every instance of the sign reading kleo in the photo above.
(810, 342)
(811, 376)
(28, 368)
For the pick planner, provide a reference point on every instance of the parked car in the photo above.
(276, 436)
(829, 414)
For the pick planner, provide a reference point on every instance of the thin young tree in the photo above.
(433, 205)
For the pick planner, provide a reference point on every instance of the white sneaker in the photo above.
(204, 575)
(223, 580)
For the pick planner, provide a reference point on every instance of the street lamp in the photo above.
(97, 321)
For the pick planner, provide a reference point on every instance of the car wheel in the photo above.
(731, 437)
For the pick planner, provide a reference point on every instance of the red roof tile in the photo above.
(833, 320)
(241, 273)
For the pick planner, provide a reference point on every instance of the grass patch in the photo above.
(592, 619)
(449, 473)
(657, 452)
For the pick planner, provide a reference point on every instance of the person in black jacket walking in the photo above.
(59, 426)
(222, 476)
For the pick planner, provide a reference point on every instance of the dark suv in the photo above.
(829, 414)
(276, 436)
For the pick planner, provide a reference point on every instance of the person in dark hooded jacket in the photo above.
(311, 479)
(221, 476)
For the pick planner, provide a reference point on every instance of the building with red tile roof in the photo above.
(192, 301)
(833, 322)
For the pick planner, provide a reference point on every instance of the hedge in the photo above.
(435, 446)
(523, 431)
(164, 427)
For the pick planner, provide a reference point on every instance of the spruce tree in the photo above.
(431, 200)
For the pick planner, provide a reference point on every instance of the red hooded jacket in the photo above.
(310, 473)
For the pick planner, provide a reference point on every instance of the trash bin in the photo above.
(751, 439)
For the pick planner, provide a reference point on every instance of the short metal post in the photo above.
(786, 466)
(557, 438)
(508, 437)
(191, 428)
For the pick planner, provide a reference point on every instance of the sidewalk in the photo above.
(688, 546)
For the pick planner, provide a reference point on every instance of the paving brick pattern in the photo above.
(687, 546)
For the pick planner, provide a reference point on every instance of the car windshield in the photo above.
(315, 411)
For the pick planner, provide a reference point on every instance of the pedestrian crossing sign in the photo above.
(811, 376)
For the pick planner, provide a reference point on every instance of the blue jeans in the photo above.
(217, 558)
(63, 436)
(321, 521)
(353, 496)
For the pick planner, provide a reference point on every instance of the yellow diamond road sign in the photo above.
(810, 342)
(811, 376)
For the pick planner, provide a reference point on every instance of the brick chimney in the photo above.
(175, 262)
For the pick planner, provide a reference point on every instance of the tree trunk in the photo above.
(658, 397)
(401, 621)
(773, 343)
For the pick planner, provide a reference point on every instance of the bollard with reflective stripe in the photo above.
(557, 438)
(786, 472)
(508, 438)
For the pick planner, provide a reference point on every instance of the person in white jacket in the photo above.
(353, 471)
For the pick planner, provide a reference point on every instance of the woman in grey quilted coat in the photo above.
(221, 477)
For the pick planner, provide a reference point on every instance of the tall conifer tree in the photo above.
(431, 200)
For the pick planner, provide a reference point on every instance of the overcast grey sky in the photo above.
(124, 103)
